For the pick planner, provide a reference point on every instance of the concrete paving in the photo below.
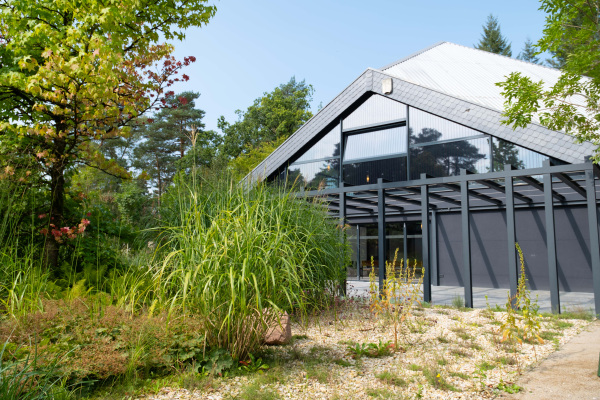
(444, 295)
(569, 373)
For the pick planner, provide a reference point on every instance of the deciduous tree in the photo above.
(73, 73)
(572, 104)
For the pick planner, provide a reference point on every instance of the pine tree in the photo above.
(529, 54)
(492, 39)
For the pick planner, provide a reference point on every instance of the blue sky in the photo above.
(252, 46)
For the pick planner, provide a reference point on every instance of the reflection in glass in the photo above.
(423, 125)
(328, 146)
(375, 110)
(509, 153)
(315, 175)
(446, 159)
(390, 169)
(375, 144)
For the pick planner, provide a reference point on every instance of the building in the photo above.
(414, 156)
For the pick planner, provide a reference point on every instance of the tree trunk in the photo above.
(57, 204)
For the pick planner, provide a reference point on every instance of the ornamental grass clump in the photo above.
(239, 253)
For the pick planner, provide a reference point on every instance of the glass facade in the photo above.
(381, 143)
(397, 152)
(375, 110)
(509, 153)
(446, 159)
(428, 128)
(327, 147)
(316, 175)
(362, 173)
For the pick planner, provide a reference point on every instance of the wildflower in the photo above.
(44, 231)
(42, 216)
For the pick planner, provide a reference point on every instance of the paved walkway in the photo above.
(569, 373)
(446, 294)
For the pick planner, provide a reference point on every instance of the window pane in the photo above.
(375, 110)
(391, 169)
(447, 159)
(375, 144)
(329, 146)
(315, 175)
(427, 128)
(509, 153)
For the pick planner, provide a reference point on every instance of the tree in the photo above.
(572, 104)
(529, 53)
(492, 39)
(505, 153)
(75, 73)
(167, 137)
(276, 115)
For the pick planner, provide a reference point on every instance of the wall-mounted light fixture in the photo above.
(367, 178)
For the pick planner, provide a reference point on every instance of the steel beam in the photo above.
(536, 184)
(381, 245)
(425, 238)
(592, 209)
(572, 184)
(369, 203)
(479, 196)
(494, 185)
(466, 243)
(513, 272)
(342, 214)
(435, 273)
(551, 244)
(435, 196)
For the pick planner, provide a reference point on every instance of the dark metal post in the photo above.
(513, 272)
(404, 246)
(381, 232)
(592, 209)
(342, 227)
(408, 143)
(425, 235)
(466, 242)
(551, 243)
(435, 273)
(358, 260)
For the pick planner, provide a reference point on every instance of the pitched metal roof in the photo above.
(467, 73)
(448, 80)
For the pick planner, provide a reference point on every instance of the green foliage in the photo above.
(276, 115)
(391, 379)
(22, 378)
(509, 387)
(529, 53)
(492, 39)
(234, 253)
(572, 104)
(373, 350)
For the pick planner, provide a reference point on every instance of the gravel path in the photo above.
(569, 373)
(446, 354)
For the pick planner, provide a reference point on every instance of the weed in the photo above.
(486, 366)
(443, 339)
(380, 393)
(460, 375)
(415, 367)
(506, 360)
(458, 302)
(509, 387)
(460, 353)
(318, 372)
(255, 391)
(462, 333)
(435, 379)
(391, 379)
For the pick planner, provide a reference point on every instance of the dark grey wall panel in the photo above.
(489, 248)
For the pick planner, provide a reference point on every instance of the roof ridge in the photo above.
(459, 45)
(412, 55)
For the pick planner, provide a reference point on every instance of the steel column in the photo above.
(513, 272)
(594, 239)
(435, 273)
(551, 243)
(466, 243)
(342, 214)
(425, 236)
(381, 232)
(404, 246)
(358, 260)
